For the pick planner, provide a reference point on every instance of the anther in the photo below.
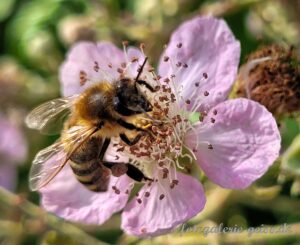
(134, 59)
(185, 66)
(205, 75)
(165, 170)
(157, 88)
(120, 70)
(123, 65)
(125, 43)
(139, 200)
(188, 102)
(178, 64)
(179, 45)
(210, 146)
(110, 65)
(197, 84)
(161, 196)
(114, 187)
(82, 78)
(175, 181)
(147, 194)
(117, 191)
(142, 46)
(212, 120)
(166, 58)
(151, 69)
(206, 93)
(96, 66)
(215, 112)
(167, 80)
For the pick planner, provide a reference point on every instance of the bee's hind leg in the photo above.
(120, 168)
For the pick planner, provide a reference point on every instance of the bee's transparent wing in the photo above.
(51, 160)
(49, 116)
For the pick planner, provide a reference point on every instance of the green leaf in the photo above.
(290, 129)
(6, 6)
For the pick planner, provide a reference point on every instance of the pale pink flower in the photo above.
(234, 142)
(13, 150)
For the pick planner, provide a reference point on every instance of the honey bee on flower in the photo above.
(232, 141)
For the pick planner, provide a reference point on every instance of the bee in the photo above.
(101, 112)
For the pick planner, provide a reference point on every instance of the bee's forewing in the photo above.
(50, 161)
(48, 117)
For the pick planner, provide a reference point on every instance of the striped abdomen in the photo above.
(87, 168)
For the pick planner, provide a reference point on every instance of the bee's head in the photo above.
(129, 99)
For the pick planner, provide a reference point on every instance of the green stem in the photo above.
(57, 224)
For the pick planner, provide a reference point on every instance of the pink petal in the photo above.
(82, 57)
(155, 217)
(135, 53)
(208, 46)
(12, 143)
(67, 198)
(245, 141)
(7, 176)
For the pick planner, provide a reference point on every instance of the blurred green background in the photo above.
(34, 38)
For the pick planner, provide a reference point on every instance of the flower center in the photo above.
(161, 152)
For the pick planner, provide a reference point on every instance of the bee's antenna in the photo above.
(140, 70)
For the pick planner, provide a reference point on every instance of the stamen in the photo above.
(82, 78)
(179, 45)
(96, 66)
(142, 47)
